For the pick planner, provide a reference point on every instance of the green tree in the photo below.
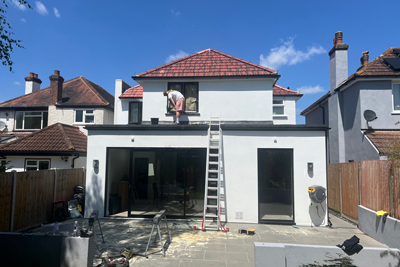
(7, 42)
(3, 165)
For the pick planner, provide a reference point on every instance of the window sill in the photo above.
(395, 112)
(280, 116)
(170, 114)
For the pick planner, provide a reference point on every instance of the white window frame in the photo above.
(23, 119)
(394, 110)
(278, 105)
(37, 163)
(84, 116)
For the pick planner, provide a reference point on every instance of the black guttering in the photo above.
(264, 127)
(277, 76)
(364, 77)
(39, 153)
(149, 127)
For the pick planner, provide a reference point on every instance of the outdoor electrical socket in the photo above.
(310, 166)
(95, 163)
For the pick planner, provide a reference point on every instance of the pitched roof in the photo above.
(384, 140)
(316, 103)
(136, 91)
(56, 138)
(279, 90)
(76, 92)
(207, 63)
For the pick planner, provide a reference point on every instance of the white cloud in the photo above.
(41, 9)
(23, 20)
(286, 54)
(178, 55)
(17, 83)
(18, 5)
(175, 13)
(56, 12)
(308, 90)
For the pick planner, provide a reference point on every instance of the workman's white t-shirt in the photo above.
(175, 95)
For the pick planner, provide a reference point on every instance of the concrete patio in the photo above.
(196, 248)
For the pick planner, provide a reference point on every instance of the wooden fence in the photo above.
(375, 184)
(26, 197)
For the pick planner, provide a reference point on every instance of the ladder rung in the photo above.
(213, 171)
(214, 140)
(211, 215)
(214, 132)
(213, 155)
(212, 206)
(213, 162)
(214, 147)
(212, 188)
(212, 197)
(212, 179)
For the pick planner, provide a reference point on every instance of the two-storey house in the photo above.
(232, 158)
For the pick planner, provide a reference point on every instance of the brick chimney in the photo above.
(364, 59)
(32, 83)
(338, 61)
(56, 86)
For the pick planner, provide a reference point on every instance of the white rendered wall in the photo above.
(119, 110)
(241, 171)
(7, 119)
(122, 116)
(18, 162)
(232, 100)
(289, 116)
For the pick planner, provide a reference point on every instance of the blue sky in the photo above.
(108, 40)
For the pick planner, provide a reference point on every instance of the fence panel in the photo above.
(375, 184)
(67, 180)
(396, 190)
(6, 188)
(334, 187)
(349, 183)
(33, 199)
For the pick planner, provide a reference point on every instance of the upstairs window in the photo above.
(278, 107)
(135, 112)
(37, 165)
(190, 91)
(30, 120)
(84, 116)
(396, 97)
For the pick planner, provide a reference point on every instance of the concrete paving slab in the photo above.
(203, 263)
(225, 255)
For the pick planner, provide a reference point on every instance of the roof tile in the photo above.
(384, 140)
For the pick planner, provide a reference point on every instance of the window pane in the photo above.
(89, 111)
(43, 165)
(175, 87)
(34, 113)
(31, 169)
(277, 102)
(89, 119)
(134, 113)
(45, 119)
(396, 96)
(33, 123)
(79, 116)
(191, 97)
(19, 119)
(31, 162)
(278, 111)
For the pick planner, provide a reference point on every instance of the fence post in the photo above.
(340, 191)
(391, 191)
(359, 184)
(13, 201)
(55, 185)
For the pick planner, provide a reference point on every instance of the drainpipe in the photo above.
(73, 161)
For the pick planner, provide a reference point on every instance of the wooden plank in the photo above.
(333, 187)
(6, 185)
(396, 189)
(349, 183)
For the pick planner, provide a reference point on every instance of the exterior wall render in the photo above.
(290, 110)
(239, 164)
(230, 99)
(8, 119)
(18, 162)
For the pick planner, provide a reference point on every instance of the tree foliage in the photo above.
(7, 42)
(3, 164)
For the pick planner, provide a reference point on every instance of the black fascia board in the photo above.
(147, 127)
(36, 153)
(206, 77)
(21, 108)
(366, 77)
(266, 127)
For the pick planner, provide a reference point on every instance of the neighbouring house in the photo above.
(58, 146)
(362, 110)
(76, 102)
(231, 156)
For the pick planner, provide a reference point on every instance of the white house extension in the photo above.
(248, 167)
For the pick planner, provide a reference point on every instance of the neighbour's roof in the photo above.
(207, 63)
(384, 140)
(137, 91)
(316, 103)
(78, 92)
(56, 138)
(133, 92)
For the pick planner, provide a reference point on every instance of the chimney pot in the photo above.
(35, 75)
(57, 72)
(31, 74)
(364, 59)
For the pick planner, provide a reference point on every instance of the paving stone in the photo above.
(240, 248)
(225, 255)
(202, 263)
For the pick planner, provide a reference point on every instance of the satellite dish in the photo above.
(369, 115)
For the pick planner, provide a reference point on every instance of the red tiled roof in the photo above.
(384, 140)
(57, 138)
(136, 91)
(207, 63)
(76, 92)
(279, 90)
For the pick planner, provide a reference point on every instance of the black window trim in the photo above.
(183, 88)
(140, 112)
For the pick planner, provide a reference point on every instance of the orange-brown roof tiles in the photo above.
(136, 91)
(384, 140)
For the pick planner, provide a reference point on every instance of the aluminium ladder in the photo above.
(211, 212)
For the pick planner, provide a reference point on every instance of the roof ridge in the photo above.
(94, 90)
(66, 137)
